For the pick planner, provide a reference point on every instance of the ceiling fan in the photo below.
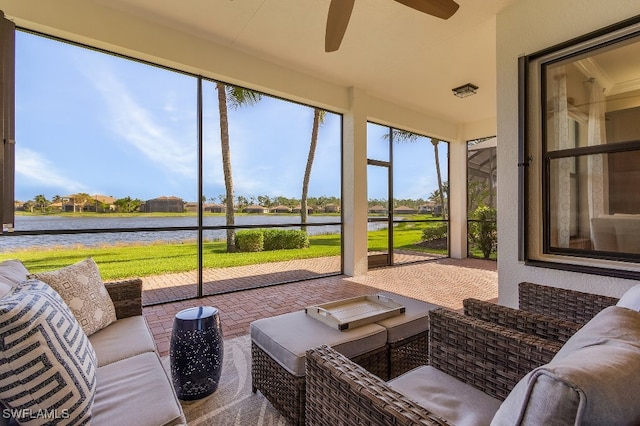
(340, 12)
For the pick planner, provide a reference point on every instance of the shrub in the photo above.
(484, 232)
(435, 232)
(252, 240)
(281, 239)
(271, 239)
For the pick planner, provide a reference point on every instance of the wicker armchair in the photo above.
(548, 312)
(490, 357)
(568, 305)
(126, 296)
(544, 326)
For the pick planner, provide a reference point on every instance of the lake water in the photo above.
(47, 223)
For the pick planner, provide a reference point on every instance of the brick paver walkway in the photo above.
(444, 282)
(161, 288)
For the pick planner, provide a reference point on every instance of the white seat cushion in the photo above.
(286, 338)
(136, 391)
(415, 319)
(124, 338)
(455, 401)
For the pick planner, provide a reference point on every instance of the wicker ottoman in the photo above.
(407, 335)
(278, 350)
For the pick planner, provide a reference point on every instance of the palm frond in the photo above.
(239, 96)
(402, 136)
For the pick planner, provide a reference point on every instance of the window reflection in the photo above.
(592, 139)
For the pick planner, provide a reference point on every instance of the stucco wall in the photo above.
(525, 28)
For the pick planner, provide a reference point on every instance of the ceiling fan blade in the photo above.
(337, 21)
(439, 8)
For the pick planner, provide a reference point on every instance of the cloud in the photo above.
(138, 126)
(34, 168)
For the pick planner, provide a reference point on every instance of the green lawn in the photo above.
(123, 261)
(406, 236)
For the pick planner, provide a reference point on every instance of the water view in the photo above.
(55, 223)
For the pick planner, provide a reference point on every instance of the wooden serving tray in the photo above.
(355, 311)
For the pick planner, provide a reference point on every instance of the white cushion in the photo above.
(12, 273)
(124, 338)
(414, 320)
(82, 289)
(631, 299)
(455, 401)
(286, 338)
(136, 391)
(613, 326)
(594, 379)
(47, 364)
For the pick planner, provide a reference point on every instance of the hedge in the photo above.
(435, 232)
(252, 240)
(271, 239)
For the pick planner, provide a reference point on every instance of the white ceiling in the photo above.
(389, 50)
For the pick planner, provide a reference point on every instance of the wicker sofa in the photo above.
(502, 367)
(131, 385)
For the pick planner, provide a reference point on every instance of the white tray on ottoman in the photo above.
(356, 311)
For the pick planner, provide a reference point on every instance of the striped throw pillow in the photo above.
(47, 364)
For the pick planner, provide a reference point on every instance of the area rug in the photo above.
(233, 403)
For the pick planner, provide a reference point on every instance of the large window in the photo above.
(168, 176)
(482, 186)
(407, 179)
(277, 150)
(583, 153)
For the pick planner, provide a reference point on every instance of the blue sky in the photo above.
(94, 123)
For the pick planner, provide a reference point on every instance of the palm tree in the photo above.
(318, 119)
(41, 201)
(435, 143)
(404, 136)
(235, 97)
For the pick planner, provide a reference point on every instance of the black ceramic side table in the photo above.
(196, 351)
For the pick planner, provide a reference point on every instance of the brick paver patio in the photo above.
(444, 282)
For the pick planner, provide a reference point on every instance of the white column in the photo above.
(354, 184)
(458, 199)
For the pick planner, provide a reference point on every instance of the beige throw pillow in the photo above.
(82, 289)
